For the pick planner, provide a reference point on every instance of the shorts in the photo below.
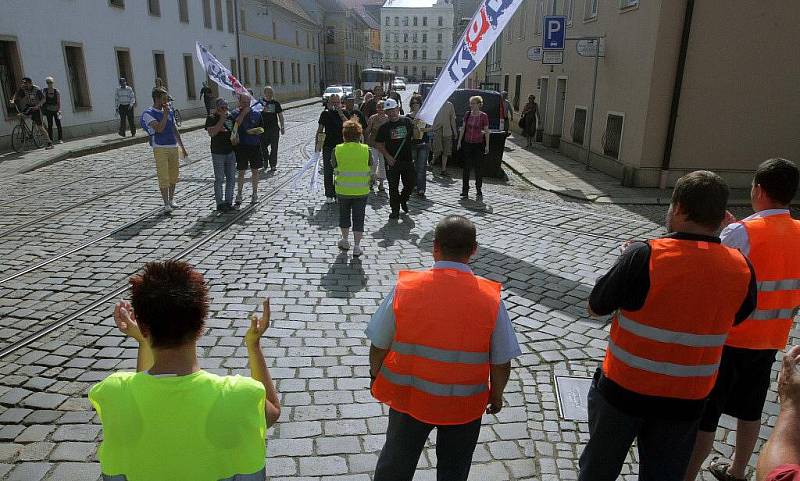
(166, 166)
(36, 116)
(248, 156)
(442, 145)
(741, 387)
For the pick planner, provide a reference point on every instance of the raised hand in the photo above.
(126, 320)
(258, 326)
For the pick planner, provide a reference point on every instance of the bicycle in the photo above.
(22, 137)
(175, 112)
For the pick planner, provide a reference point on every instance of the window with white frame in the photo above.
(590, 9)
(538, 17)
(628, 3)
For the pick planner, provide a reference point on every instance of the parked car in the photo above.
(332, 90)
(424, 88)
(494, 107)
(398, 84)
(348, 89)
(403, 79)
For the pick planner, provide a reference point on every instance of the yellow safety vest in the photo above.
(352, 169)
(197, 427)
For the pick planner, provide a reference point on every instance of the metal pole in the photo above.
(238, 47)
(594, 94)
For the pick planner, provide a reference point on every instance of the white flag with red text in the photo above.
(485, 27)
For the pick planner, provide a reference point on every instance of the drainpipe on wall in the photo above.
(676, 95)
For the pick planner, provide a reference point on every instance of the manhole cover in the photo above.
(571, 392)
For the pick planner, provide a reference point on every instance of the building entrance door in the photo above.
(558, 113)
(543, 89)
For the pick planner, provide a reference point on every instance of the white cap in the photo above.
(389, 104)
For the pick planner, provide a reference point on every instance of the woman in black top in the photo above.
(52, 109)
(219, 126)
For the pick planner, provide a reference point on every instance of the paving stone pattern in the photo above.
(546, 252)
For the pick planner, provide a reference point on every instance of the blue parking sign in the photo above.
(554, 32)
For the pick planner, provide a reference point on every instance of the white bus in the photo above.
(372, 77)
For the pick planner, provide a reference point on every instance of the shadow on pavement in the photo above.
(395, 230)
(345, 277)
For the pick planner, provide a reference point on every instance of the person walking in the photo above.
(395, 95)
(207, 94)
(273, 124)
(124, 101)
(159, 121)
(394, 142)
(440, 357)
(445, 128)
(331, 121)
(473, 141)
(508, 112)
(351, 161)
(370, 106)
(350, 110)
(52, 109)
(770, 238)
(247, 137)
(378, 164)
(28, 100)
(779, 459)
(673, 300)
(171, 419)
(368, 97)
(529, 120)
(420, 144)
(219, 126)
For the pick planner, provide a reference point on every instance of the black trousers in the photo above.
(472, 155)
(126, 114)
(405, 439)
(406, 172)
(327, 171)
(269, 146)
(53, 117)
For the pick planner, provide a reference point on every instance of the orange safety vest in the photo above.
(437, 368)
(672, 346)
(774, 247)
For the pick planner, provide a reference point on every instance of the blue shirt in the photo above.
(164, 139)
(504, 345)
(251, 120)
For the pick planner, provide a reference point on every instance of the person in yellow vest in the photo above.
(442, 344)
(351, 161)
(170, 419)
(673, 300)
(770, 238)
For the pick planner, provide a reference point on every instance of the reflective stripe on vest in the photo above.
(437, 368)
(257, 476)
(352, 169)
(774, 243)
(672, 346)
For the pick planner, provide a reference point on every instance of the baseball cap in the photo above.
(390, 104)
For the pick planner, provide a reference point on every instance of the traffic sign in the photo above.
(588, 48)
(535, 54)
(554, 32)
(552, 57)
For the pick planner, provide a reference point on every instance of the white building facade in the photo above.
(417, 37)
(93, 43)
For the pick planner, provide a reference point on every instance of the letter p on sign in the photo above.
(554, 32)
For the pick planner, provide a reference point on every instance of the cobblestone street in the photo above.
(546, 250)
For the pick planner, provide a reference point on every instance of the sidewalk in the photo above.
(549, 170)
(12, 163)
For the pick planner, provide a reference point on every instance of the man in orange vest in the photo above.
(442, 344)
(770, 238)
(674, 299)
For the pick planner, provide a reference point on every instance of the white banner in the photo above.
(485, 27)
(217, 71)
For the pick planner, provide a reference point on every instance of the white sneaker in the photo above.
(167, 208)
(330, 200)
(357, 250)
(343, 244)
(173, 204)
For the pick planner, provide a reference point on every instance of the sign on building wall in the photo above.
(486, 25)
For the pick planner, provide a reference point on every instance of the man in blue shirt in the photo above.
(159, 122)
(248, 151)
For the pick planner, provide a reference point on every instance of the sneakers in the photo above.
(344, 245)
(60, 141)
(49, 146)
(330, 200)
(421, 194)
(167, 209)
(404, 206)
(238, 200)
(719, 469)
(173, 204)
(394, 215)
(357, 250)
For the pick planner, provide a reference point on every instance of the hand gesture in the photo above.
(728, 220)
(789, 377)
(126, 320)
(258, 326)
(495, 403)
(486, 149)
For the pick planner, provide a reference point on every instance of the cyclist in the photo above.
(29, 100)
